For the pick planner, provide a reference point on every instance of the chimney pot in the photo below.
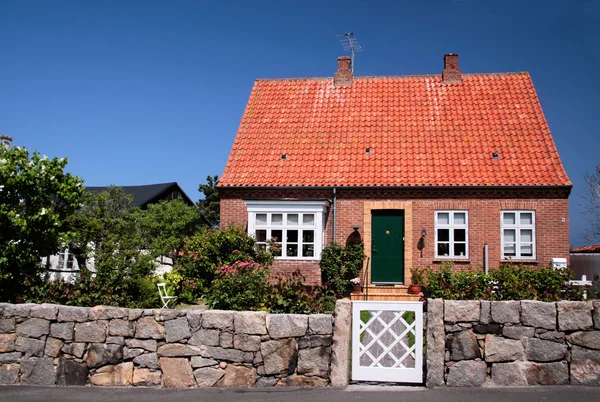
(451, 73)
(343, 77)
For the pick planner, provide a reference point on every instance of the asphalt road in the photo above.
(349, 394)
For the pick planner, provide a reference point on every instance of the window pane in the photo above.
(460, 235)
(308, 250)
(276, 219)
(443, 249)
(277, 235)
(292, 219)
(526, 250)
(443, 218)
(460, 249)
(308, 236)
(526, 235)
(443, 234)
(526, 218)
(509, 250)
(509, 236)
(261, 219)
(460, 218)
(261, 235)
(292, 250)
(308, 219)
(508, 218)
(292, 236)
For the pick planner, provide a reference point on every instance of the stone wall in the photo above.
(512, 343)
(60, 345)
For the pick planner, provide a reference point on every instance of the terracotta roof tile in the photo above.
(421, 132)
(594, 248)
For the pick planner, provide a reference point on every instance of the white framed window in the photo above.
(518, 234)
(66, 260)
(295, 226)
(452, 234)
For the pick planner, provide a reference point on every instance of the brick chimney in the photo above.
(451, 73)
(343, 77)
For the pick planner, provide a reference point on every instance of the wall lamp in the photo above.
(423, 232)
(355, 227)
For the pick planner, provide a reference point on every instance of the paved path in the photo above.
(349, 394)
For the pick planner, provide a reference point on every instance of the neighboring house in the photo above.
(150, 193)
(586, 261)
(64, 264)
(6, 141)
(424, 169)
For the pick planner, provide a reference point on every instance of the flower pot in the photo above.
(356, 289)
(415, 289)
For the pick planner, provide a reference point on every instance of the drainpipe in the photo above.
(334, 213)
(485, 258)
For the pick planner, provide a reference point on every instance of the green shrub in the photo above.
(340, 264)
(209, 249)
(188, 291)
(88, 290)
(239, 286)
(509, 282)
(289, 295)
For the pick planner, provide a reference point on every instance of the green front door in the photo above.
(387, 246)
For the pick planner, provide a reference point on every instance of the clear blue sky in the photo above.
(137, 92)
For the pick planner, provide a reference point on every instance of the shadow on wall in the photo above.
(354, 238)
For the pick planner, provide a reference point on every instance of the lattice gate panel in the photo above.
(387, 341)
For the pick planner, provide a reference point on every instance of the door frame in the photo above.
(408, 235)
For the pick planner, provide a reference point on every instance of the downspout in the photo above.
(485, 258)
(334, 213)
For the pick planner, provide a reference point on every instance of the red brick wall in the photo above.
(484, 206)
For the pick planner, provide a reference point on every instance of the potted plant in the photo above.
(356, 288)
(417, 279)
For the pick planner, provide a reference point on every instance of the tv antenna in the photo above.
(350, 44)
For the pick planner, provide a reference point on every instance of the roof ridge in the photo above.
(506, 73)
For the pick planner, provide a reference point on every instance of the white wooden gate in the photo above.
(387, 341)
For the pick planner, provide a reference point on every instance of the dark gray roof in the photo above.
(149, 193)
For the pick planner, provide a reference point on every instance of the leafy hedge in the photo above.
(339, 265)
(509, 282)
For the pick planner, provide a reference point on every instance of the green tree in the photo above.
(110, 248)
(164, 226)
(210, 206)
(37, 198)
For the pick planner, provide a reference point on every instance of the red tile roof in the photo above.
(420, 132)
(595, 248)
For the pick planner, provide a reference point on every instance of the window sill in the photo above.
(297, 259)
(452, 259)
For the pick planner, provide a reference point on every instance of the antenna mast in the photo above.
(349, 43)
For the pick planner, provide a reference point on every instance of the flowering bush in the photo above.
(210, 249)
(239, 286)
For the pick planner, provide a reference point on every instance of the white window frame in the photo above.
(317, 208)
(451, 226)
(517, 227)
(66, 256)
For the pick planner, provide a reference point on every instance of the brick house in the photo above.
(423, 169)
